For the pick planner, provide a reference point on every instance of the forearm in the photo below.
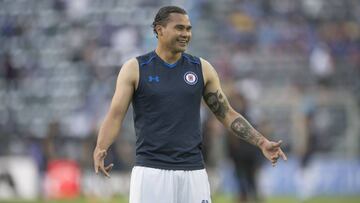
(238, 125)
(108, 132)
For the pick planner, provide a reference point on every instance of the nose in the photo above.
(185, 33)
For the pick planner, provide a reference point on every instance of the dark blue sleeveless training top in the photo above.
(167, 113)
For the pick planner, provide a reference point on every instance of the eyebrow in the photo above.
(186, 26)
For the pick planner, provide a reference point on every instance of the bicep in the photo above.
(214, 96)
(125, 87)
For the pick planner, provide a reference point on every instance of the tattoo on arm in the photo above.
(217, 103)
(245, 131)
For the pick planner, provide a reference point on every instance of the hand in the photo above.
(272, 151)
(99, 157)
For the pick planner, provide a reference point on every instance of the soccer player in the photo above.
(165, 87)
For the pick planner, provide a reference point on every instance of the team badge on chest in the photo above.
(190, 78)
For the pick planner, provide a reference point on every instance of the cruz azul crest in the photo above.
(190, 78)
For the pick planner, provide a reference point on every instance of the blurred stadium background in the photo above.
(291, 67)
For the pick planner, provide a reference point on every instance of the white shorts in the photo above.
(150, 185)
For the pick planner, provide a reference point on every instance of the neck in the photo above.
(167, 55)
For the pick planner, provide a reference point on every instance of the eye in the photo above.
(179, 27)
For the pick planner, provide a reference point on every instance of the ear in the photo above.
(159, 30)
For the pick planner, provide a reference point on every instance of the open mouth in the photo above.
(182, 42)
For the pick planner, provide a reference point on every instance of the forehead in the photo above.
(178, 18)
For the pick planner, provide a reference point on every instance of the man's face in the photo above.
(176, 34)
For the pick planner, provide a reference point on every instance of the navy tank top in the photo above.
(167, 113)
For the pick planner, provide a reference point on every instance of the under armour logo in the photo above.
(154, 78)
(205, 201)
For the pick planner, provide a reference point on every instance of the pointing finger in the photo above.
(283, 156)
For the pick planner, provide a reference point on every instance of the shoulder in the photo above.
(209, 71)
(191, 58)
(205, 63)
(130, 66)
(129, 71)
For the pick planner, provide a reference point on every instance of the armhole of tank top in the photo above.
(139, 83)
(202, 73)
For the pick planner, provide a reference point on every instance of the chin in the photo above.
(178, 49)
(181, 49)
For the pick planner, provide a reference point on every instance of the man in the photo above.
(165, 87)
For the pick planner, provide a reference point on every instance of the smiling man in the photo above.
(165, 87)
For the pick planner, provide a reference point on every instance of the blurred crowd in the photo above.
(291, 67)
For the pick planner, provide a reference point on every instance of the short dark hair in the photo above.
(162, 16)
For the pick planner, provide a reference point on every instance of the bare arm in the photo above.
(125, 87)
(232, 120)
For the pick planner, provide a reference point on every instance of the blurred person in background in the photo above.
(11, 73)
(244, 156)
(321, 64)
(311, 142)
(52, 141)
(165, 87)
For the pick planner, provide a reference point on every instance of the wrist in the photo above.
(261, 142)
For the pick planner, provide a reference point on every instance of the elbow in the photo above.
(231, 116)
(115, 116)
